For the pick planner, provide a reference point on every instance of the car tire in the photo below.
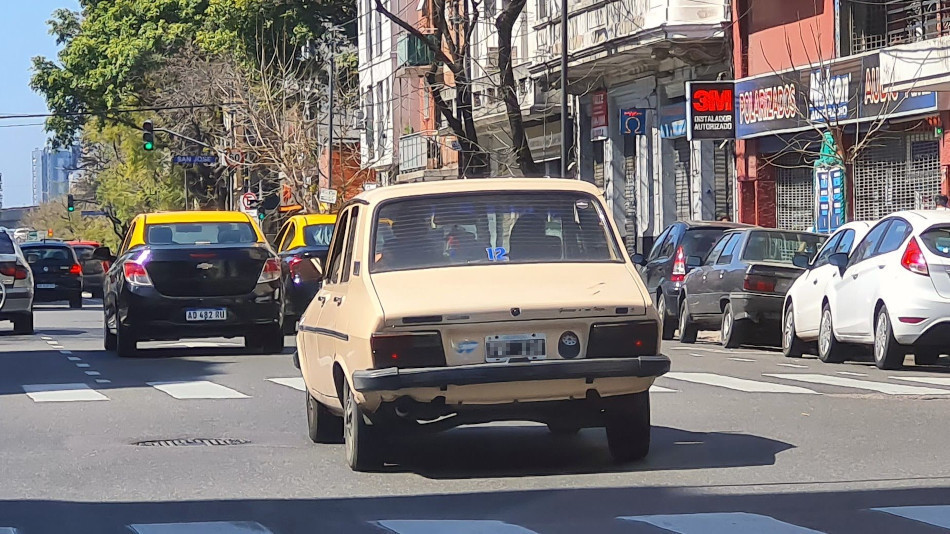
(322, 425)
(126, 345)
(563, 429)
(109, 341)
(23, 324)
(732, 331)
(290, 325)
(667, 322)
(926, 356)
(688, 330)
(888, 354)
(361, 440)
(628, 428)
(267, 339)
(792, 345)
(75, 301)
(830, 349)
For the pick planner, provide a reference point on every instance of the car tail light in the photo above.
(623, 340)
(413, 349)
(759, 283)
(136, 274)
(913, 259)
(679, 266)
(105, 266)
(270, 272)
(15, 270)
(302, 269)
(75, 269)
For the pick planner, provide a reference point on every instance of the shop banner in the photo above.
(633, 121)
(673, 121)
(598, 116)
(710, 110)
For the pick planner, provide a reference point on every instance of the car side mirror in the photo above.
(693, 262)
(839, 260)
(103, 254)
(802, 261)
(638, 259)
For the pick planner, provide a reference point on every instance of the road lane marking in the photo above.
(62, 393)
(82, 365)
(738, 384)
(295, 382)
(938, 515)
(103, 381)
(793, 365)
(849, 373)
(880, 387)
(720, 523)
(93, 373)
(741, 359)
(447, 526)
(660, 389)
(46, 338)
(65, 352)
(935, 380)
(197, 389)
(74, 358)
(209, 527)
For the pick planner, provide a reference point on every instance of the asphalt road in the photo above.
(745, 442)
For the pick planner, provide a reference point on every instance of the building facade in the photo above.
(377, 66)
(52, 169)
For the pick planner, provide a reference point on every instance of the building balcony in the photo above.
(412, 52)
(426, 156)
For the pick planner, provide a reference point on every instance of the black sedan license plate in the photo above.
(206, 314)
(504, 348)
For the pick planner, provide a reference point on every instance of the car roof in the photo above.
(37, 244)
(773, 230)
(316, 218)
(169, 217)
(715, 224)
(476, 185)
(922, 219)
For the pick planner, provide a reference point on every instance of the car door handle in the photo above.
(815, 281)
(321, 298)
(854, 276)
(338, 300)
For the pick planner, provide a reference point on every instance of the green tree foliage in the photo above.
(53, 216)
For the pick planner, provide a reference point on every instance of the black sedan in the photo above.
(740, 286)
(57, 272)
(302, 243)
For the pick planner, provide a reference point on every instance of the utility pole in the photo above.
(332, 67)
(565, 138)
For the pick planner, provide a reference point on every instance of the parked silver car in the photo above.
(16, 285)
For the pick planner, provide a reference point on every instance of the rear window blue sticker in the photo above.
(497, 254)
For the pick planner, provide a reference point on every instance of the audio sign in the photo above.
(711, 110)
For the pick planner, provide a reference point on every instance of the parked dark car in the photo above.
(93, 270)
(57, 272)
(664, 269)
(302, 244)
(742, 283)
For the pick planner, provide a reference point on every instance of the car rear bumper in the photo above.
(153, 316)
(63, 291)
(934, 329)
(757, 307)
(18, 301)
(394, 379)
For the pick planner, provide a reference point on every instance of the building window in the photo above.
(491, 9)
(543, 9)
(370, 124)
(368, 25)
(879, 23)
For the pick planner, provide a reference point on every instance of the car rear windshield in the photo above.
(698, 241)
(48, 254)
(937, 240)
(203, 233)
(84, 253)
(780, 247)
(318, 235)
(6, 244)
(492, 228)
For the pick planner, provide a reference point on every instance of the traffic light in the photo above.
(70, 204)
(148, 135)
(261, 213)
(49, 233)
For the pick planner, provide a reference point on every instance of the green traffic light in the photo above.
(149, 145)
(71, 208)
(261, 215)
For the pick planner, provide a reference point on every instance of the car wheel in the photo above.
(628, 428)
(108, 338)
(360, 439)
(322, 425)
(126, 345)
(688, 330)
(23, 324)
(888, 354)
(829, 349)
(290, 325)
(792, 346)
(563, 429)
(75, 301)
(668, 325)
(732, 332)
(272, 339)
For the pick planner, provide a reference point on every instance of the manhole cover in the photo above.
(191, 442)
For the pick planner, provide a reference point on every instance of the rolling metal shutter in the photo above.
(598, 152)
(794, 193)
(895, 172)
(724, 179)
(681, 168)
(630, 192)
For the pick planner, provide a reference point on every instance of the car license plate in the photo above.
(504, 348)
(207, 314)
(45, 286)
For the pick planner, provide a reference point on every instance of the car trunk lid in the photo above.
(770, 277)
(206, 270)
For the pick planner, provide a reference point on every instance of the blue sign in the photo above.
(194, 160)
(633, 121)
(673, 121)
(829, 202)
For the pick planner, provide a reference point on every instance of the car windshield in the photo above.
(779, 246)
(203, 233)
(318, 235)
(937, 240)
(6, 244)
(493, 228)
(698, 241)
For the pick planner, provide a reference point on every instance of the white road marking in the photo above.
(442, 526)
(295, 382)
(935, 380)
(198, 389)
(74, 358)
(62, 393)
(738, 384)
(82, 365)
(93, 373)
(103, 381)
(880, 387)
(938, 515)
(46, 338)
(741, 359)
(210, 527)
(721, 523)
(849, 373)
(8, 530)
(65, 352)
(660, 389)
(793, 365)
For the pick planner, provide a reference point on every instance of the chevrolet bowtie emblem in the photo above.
(204, 266)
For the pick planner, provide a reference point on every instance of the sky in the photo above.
(23, 34)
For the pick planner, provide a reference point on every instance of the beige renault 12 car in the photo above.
(469, 301)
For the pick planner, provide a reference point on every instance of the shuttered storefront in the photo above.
(794, 193)
(630, 192)
(599, 169)
(681, 170)
(723, 168)
(895, 172)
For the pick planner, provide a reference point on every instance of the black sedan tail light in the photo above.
(408, 350)
(623, 339)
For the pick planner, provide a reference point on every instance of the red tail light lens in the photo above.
(302, 269)
(136, 274)
(414, 349)
(15, 270)
(270, 272)
(623, 340)
(913, 259)
(75, 269)
(679, 266)
(761, 284)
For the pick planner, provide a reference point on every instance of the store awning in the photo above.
(921, 66)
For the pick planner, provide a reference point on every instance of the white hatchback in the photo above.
(801, 314)
(893, 292)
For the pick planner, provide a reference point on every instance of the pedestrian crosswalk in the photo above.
(916, 518)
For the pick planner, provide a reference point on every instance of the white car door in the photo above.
(849, 296)
(810, 287)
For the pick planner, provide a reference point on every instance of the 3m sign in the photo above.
(711, 111)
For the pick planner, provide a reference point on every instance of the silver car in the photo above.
(16, 285)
